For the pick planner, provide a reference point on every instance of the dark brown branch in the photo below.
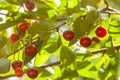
(16, 51)
(51, 64)
(108, 9)
(106, 3)
(62, 19)
(103, 50)
(109, 12)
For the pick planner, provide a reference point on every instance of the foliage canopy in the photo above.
(57, 58)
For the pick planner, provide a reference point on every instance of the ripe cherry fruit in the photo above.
(29, 5)
(16, 64)
(101, 32)
(85, 41)
(30, 50)
(14, 37)
(68, 35)
(23, 27)
(18, 72)
(32, 72)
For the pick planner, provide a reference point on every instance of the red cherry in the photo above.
(85, 41)
(32, 72)
(30, 50)
(16, 64)
(23, 27)
(68, 35)
(101, 32)
(95, 40)
(29, 5)
(14, 37)
(18, 72)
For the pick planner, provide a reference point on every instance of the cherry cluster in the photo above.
(30, 49)
(86, 41)
(17, 66)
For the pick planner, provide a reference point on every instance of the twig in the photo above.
(106, 3)
(109, 10)
(51, 64)
(103, 50)
(62, 19)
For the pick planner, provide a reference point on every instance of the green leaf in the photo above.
(40, 27)
(114, 4)
(93, 3)
(72, 7)
(79, 14)
(6, 25)
(113, 77)
(67, 57)
(3, 41)
(27, 58)
(72, 3)
(83, 64)
(103, 74)
(118, 64)
(114, 20)
(69, 73)
(91, 17)
(77, 31)
(54, 46)
(93, 69)
(43, 72)
(16, 2)
(51, 4)
(4, 65)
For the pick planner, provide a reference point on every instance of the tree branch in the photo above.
(109, 10)
(103, 50)
(51, 64)
(106, 3)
